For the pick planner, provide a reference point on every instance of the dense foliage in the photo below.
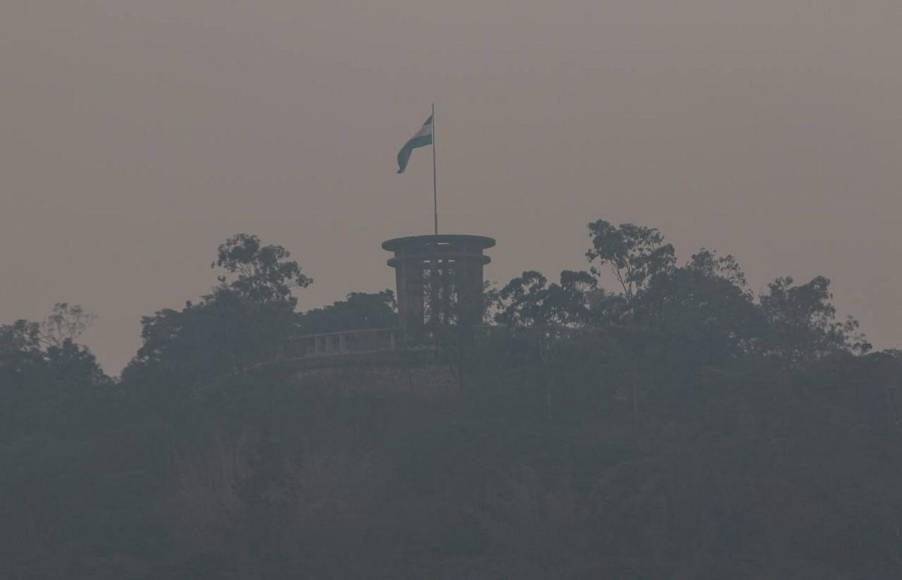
(645, 418)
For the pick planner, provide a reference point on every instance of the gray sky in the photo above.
(138, 135)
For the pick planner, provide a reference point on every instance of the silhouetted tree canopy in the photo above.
(247, 318)
(635, 254)
(358, 311)
(259, 273)
(650, 417)
(529, 301)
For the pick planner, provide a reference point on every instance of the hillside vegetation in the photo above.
(645, 418)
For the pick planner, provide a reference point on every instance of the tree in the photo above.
(635, 254)
(38, 352)
(223, 333)
(20, 346)
(257, 272)
(359, 310)
(710, 265)
(65, 323)
(521, 302)
(529, 301)
(703, 309)
(246, 319)
(70, 362)
(803, 323)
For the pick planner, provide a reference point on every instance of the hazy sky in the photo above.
(137, 135)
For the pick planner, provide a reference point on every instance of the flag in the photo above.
(421, 139)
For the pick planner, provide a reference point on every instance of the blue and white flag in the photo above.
(421, 139)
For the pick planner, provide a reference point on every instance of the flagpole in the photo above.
(434, 178)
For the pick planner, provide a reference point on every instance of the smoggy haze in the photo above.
(138, 135)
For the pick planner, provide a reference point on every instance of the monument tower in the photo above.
(439, 278)
(439, 281)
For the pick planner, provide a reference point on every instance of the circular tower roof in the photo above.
(420, 243)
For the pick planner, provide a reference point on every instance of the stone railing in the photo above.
(383, 340)
(345, 342)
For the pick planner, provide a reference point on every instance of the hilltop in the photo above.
(645, 418)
